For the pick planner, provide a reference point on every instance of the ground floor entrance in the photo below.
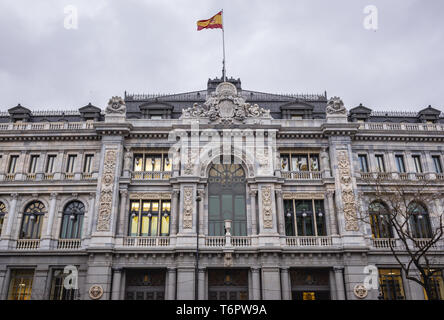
(228, 284)
(310, 284)
(145, 284)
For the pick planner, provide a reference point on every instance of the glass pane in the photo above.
(138, 163)
(154, 220)
(285, 163)
(155, 206)
(145, 225)
(135, 206)
(167, 164)
(214, 206)
(227, 207)
(239, 207)
(133, 226)
(165, 229)
(146, 206)
(314, 163)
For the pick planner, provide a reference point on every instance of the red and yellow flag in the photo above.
(212, 23)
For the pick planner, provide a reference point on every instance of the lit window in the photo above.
(20, 286)
(149, 220)
(436, 284)
(390, 282)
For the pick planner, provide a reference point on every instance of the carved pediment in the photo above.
(225, 106)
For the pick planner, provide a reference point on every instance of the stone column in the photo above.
(3, 285)
(92, 201)
(39, 284)
(285, 284)
(171, 292)
(339, 279)
(174, 212)
(51, 215)
(332, 283)
(117, 281)
(201, 193)
(255, 276)
(185, 284)
(280, 213)
(253, 212)
(123, 211)
(11, 216)
(201, 284)
(331, 213)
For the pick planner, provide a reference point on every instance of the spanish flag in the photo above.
(212, 23)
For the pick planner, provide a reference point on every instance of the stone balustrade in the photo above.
(151, 175)
(46, 126)
(382, 126)
(302, 175)
(306, 241)
(410, 176)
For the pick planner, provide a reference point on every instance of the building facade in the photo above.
(222, 193)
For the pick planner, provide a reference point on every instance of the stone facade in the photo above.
(105, 145)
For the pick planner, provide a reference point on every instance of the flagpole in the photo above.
(223, 46)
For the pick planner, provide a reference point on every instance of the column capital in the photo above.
(255, 269)
(201, 193)
(171, 269)
(118, 269)
(124, 192)
(253, 192)
(175, 192)
(278, 192)
(14, 196)
(92, 195)
(338, 269)
(285, 269)
(330, 193)
(53, 195)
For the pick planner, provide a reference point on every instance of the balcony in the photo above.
(302, 175)
(46, 126)
(28, 244)
(36, 177)
(150, 175)
(384, 243)
(309, 241)
(69, 244)
(382, 126)
(401, 176)
(146, 242)
(222, 241)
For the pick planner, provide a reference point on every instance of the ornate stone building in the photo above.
(221, 193)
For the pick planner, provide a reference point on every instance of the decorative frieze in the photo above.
(106, 194)
(267, 208)
(302, 195)
(188, 208)
(150, 196)
(347, 194)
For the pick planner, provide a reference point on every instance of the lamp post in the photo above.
(196, 275)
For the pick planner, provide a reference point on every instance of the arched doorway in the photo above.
(226, 199)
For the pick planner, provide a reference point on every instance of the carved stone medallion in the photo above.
(360, 291)
(95, 292)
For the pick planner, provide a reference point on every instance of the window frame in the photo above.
(295, 220)
(417, 162)
(360, 158)
(160, 215)
(309, 160)
(437, 164)
(380, 161)
(399, 159)
(12, 165)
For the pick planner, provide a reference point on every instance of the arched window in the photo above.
(419, 221)
(2, 215)
(72, 220)
(380, 220)
(226, 199)
(32, 220)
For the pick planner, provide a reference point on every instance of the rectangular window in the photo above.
(20, 286)
(50, 163)
(58, 290)
(380, 165)
(417, 161)
(138, 162)
(390, 281)
(437, 164)
(400, 163)
(149, 218)
(152, 163)
(285, 162)
(363, 164)
(304, 218)
(437, 286)
(70, 164)
(87, 165)
(33, 164)
(12, 164)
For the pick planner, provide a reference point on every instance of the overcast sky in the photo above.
(281, 46)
